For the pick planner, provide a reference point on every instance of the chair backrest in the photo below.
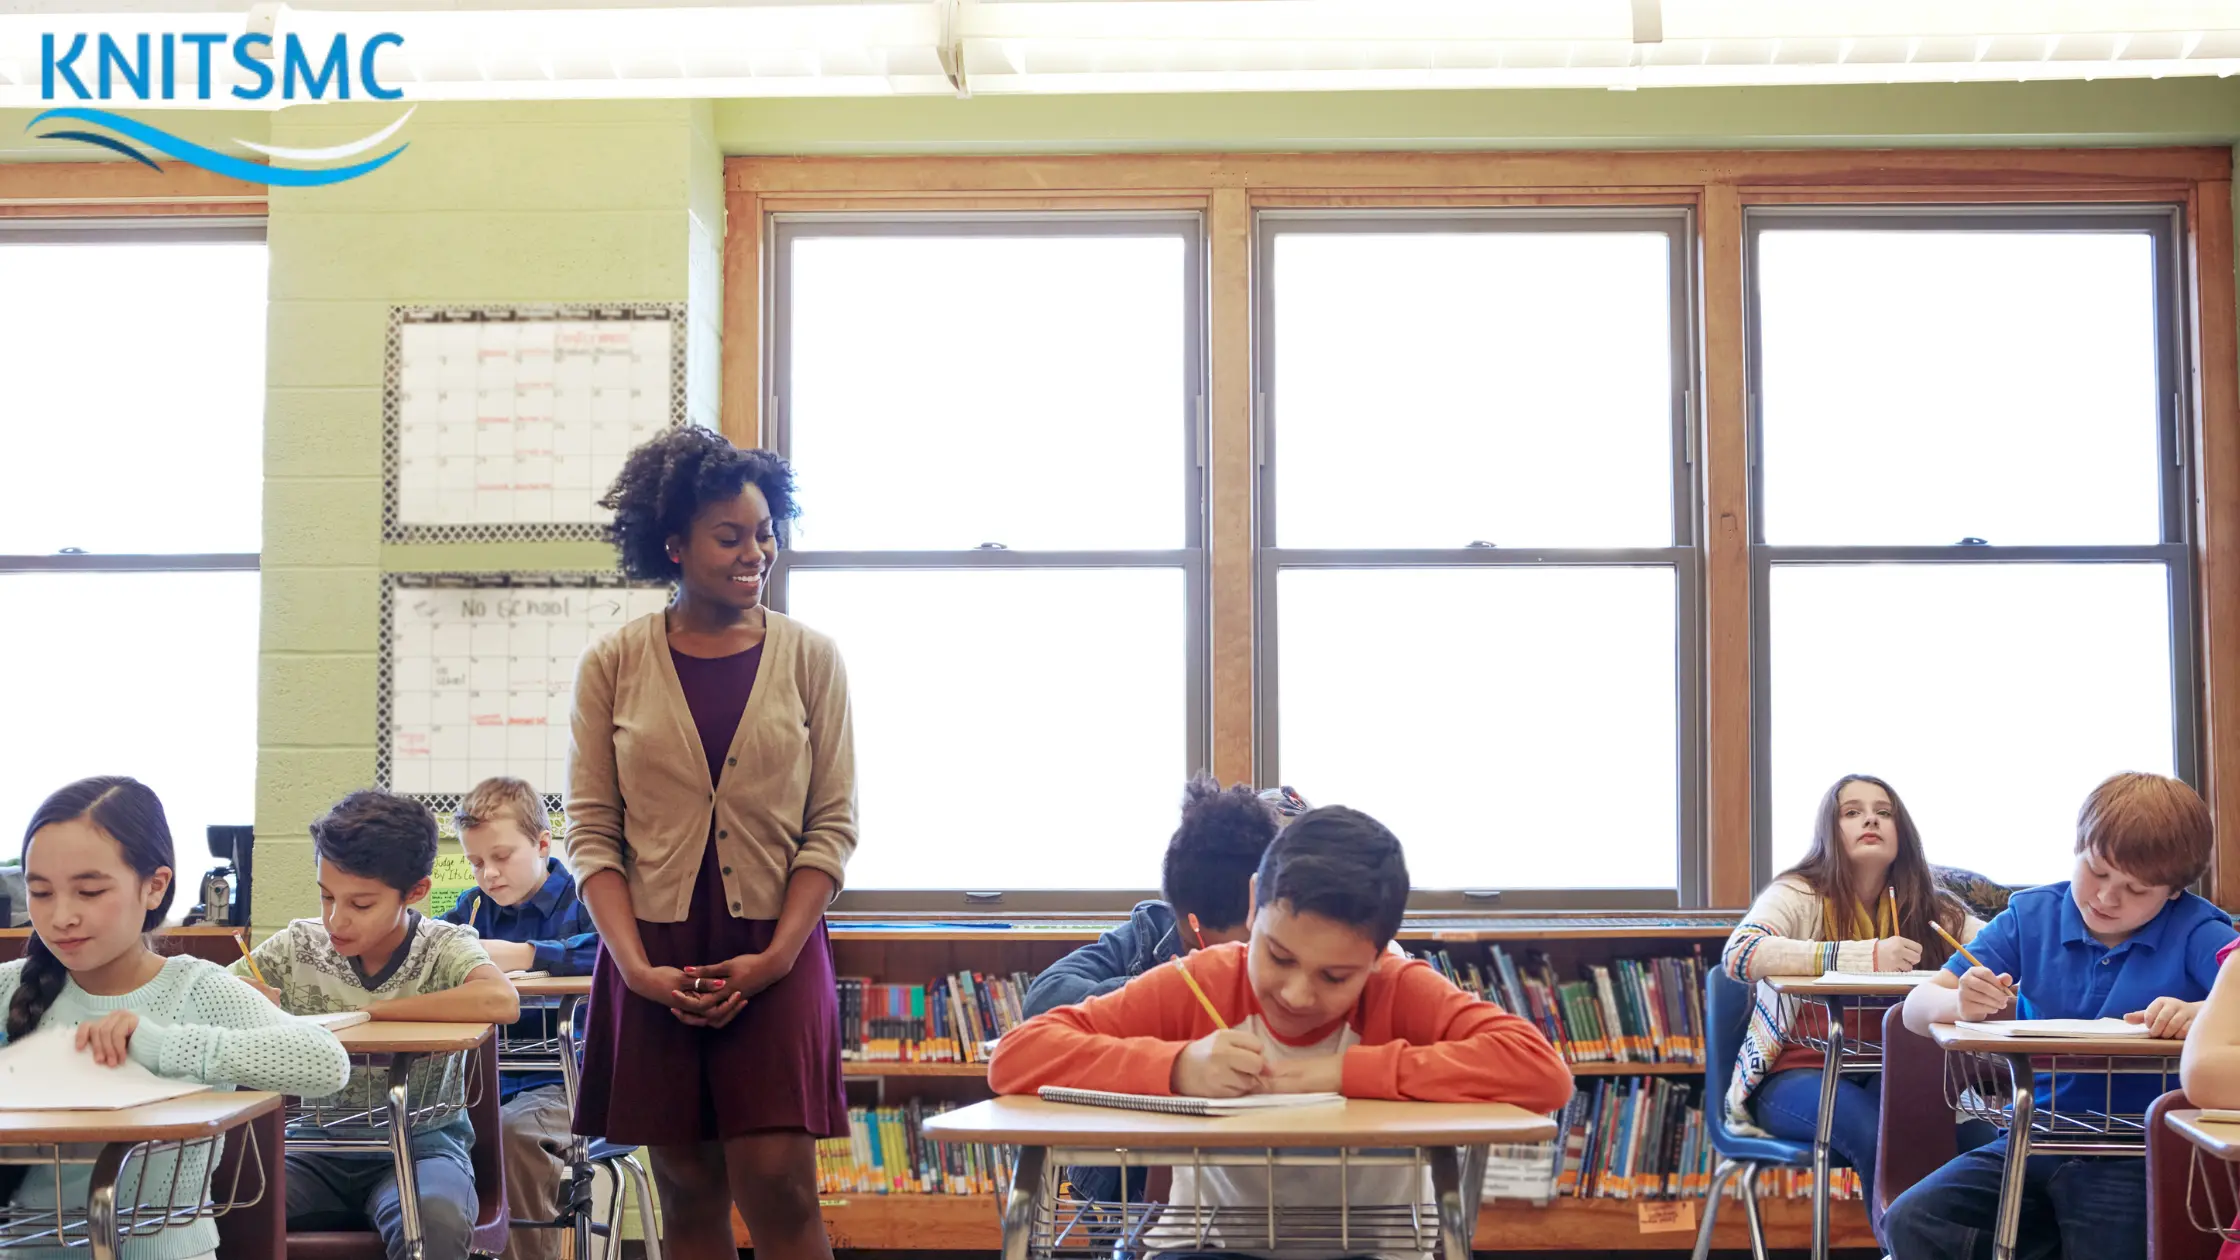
(487, 1156)
(2171, 1233)
(1917, 1133)
(1726, 1021)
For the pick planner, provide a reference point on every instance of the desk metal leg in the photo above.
(1025, 1204)
(101, 1201)
(2023, 1082)
(1455, 1216)
(400, 1151)
(1831, 1072)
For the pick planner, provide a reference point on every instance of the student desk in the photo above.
(1993, 1078)
(172, 1128)
(1450, 1138)
(2216, 1156)
(1838, 1056)
(558, 1051)
(315, 1127)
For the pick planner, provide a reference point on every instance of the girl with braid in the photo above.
(97, 864)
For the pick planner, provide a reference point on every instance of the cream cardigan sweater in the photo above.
(639, 798)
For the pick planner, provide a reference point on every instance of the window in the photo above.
(131, 485)
(1972, 566)
(997, 426)
(1476, 567)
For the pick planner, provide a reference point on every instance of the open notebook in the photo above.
(2052, 1028)
(45, 1071)
(1188, 1106)
(336, 1021)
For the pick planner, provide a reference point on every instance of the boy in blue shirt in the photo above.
(2123, 938)
(525, 908)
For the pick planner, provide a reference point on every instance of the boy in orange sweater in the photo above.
(1314, 1003)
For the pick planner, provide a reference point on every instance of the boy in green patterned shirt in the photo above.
(368, 950)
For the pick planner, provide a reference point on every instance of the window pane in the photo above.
(1434, 389)
(1923, 387)
(91, 691)
(1993, 697)
(953, 391)
(1015, 729)
(1522, 736)
(139, 370)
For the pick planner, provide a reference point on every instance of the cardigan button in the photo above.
(731, 761)
(727, 870)
(723, 835)
(734, 907)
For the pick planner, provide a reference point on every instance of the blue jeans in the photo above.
(1787, 1105)
(350, 1192)
(2073, 1206)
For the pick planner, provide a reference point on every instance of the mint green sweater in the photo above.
(197, 1024)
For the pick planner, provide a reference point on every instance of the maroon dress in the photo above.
(648, 1078)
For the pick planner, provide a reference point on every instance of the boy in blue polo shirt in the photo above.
(2123, 938)
(525, 908)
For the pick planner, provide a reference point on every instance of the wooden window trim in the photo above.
(116, 190)
(1719, 185)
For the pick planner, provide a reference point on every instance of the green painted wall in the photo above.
(623, 201)
(492, 203)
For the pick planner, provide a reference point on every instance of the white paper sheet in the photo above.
(47, 1072)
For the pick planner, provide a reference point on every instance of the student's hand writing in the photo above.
(1226, 1064)
(2166, 1017)
(109, 1037)
(1322, 1074)
(1983, 995)
(271, 994)
(746, 975)
(1896, 953)
(511, 955)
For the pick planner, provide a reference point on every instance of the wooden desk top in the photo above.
(2214, 1137)
(1813, 986)
(206, 1114)
(400, 1036)
(1360, 1123)
(1949, 1037)
(554, 986)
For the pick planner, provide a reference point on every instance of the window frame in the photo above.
(1679, 224)
(1192, 558)
(2164, 223)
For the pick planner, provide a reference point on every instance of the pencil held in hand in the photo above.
(1200, 994)
(251, 959)
(1974, 961)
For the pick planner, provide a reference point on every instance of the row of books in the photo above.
(953, 1020)
(1645, 1138)
(1630, 1010)
(885, 1152)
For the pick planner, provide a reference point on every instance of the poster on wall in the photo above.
(477, 674)
(507, 423)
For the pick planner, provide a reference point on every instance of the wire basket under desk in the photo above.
(440, 1089)
(157, 1186)
(2088, 1121)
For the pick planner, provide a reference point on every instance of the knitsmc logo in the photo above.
(152, 69)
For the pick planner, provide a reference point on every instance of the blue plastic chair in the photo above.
(1726, 1020)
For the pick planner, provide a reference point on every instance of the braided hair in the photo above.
(127, 812)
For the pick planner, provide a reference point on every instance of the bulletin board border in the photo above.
(384, 708)
(393, 528)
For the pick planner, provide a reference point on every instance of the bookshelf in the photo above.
(907, 950)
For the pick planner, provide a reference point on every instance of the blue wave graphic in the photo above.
(110, 143)
(208, 159)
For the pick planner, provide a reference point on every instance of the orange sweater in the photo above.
(1421, 1038)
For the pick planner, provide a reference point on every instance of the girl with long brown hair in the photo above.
(1862, 899)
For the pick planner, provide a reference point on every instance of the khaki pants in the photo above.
(536, 1144)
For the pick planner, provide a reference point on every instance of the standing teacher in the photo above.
(711, 812)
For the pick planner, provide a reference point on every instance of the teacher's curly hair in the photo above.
(668, 480)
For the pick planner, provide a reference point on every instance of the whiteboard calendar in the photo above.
(479, 675)
(509, 424)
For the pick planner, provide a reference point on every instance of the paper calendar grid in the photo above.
(508, 423)
(478, 674)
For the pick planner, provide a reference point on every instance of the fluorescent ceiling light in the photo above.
(559, 49)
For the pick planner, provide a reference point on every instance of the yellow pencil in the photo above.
(1892, 894)
(1972, 959)
(250, 959)
(1203, 1000)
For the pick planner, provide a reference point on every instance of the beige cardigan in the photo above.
(639, 799)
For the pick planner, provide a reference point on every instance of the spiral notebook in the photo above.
(1188, 1106)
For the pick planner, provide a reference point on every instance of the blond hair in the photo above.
(2150, 827)
(504, 797)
